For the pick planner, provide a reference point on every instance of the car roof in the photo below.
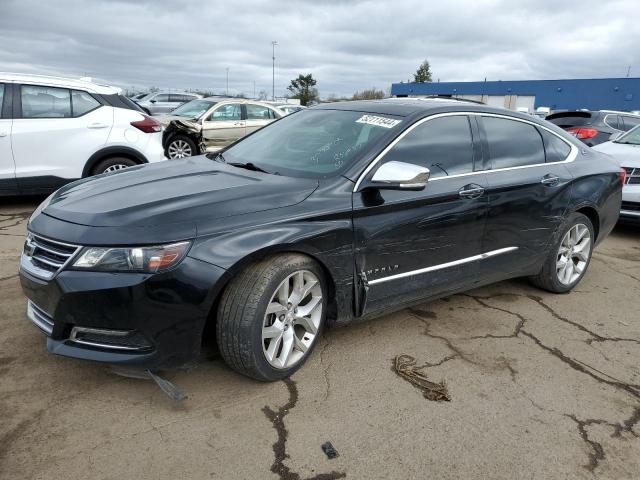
(408, 106)
(79, 83)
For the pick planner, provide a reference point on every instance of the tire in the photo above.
(553, 277)
(245, 331)
(112, 164)
(181, 146)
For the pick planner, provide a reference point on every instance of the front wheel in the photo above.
(271, 315)
(569, 258)
(181, 146)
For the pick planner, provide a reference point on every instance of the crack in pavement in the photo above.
(2, 279)
(604, 262)
(280, 446)
(325, 369)
(597, 452)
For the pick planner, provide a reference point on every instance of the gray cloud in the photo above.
(347, 45)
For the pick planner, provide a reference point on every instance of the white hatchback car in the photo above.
(55, 130)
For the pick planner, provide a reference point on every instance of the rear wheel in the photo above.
(112, 164)
(568, 260)
(271, 315)
(181, 146)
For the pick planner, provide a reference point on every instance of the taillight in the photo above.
(623, 176)
(583, 133)
(147, 125)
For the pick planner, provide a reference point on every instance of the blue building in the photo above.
(592, 93)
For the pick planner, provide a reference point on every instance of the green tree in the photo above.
(423, 74)
(369, 94)
(303, 88)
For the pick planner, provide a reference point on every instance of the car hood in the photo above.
(167, 119)
(626, 154)
(174, 192)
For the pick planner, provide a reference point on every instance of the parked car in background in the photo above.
(594, 127)
(335, 214)
(54, 130)
(139, 96)
(164, 102)
(290, 108)
(625, 148)
(209, 124)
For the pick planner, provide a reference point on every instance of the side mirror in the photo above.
(400, 176)
(615, 136)
(152, 101)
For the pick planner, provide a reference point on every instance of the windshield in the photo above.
(313, 143)
(631, 137)
(193, 109)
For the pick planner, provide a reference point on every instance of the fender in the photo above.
(116, 150)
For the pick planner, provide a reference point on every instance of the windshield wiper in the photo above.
(249, 166)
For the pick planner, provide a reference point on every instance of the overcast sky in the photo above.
(346, 45)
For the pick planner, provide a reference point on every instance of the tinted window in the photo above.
(163, 97)
(513, 143)
(570, 119)
(630, 122)
(612, 121)
(179, 98)
(1, 98)
(45, 102)
(82, 103)
(230, 111)
(443, 145)
(258, 112)
(120, 101)
(556, 150)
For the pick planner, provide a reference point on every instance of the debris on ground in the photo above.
(167, 387)
(405, 366)
(329, 451)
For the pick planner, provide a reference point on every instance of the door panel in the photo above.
(399, 232)
(51, 144)
(223, 126)
(527, 196)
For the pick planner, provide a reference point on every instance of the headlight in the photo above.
(135, 259)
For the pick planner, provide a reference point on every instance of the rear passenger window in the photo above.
(555, 149)
(612, 121)
(258, 112)
(513, 143)
(82, 103)
(630, 122)
(443, 145)
(45, 102)
(163, 97)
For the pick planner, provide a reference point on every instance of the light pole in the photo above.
(273, 79)
(227, 82)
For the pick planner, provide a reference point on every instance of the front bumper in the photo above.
(152, 321)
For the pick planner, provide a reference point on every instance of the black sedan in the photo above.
(338, 213)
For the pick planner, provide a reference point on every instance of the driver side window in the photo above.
(231, 112)
(444, 145)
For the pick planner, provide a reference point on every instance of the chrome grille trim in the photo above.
(633, 176)
(43, 257)
(40, 318)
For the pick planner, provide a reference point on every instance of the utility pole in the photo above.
(254, 89)
(227, 82)
(273, 73)
(628, 71)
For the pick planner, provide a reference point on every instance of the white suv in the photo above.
(55, 130)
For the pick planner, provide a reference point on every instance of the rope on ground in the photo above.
(405, 366)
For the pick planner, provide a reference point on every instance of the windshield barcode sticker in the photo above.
(378, 121)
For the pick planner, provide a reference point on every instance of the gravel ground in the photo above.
(541, 386)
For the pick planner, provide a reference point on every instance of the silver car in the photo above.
(164, 102)
(626, 149)
(209, 124)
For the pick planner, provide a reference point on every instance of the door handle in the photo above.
(238, 124)
(3, 134)
(97, 125)
(550, 180)
(471, 191)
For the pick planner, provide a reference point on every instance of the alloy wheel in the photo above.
(292, 319)
(179, 149)
(113, 168)
(573, 254)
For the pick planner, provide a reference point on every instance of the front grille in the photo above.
(633, 176)
(46, 256)
(40, 318)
